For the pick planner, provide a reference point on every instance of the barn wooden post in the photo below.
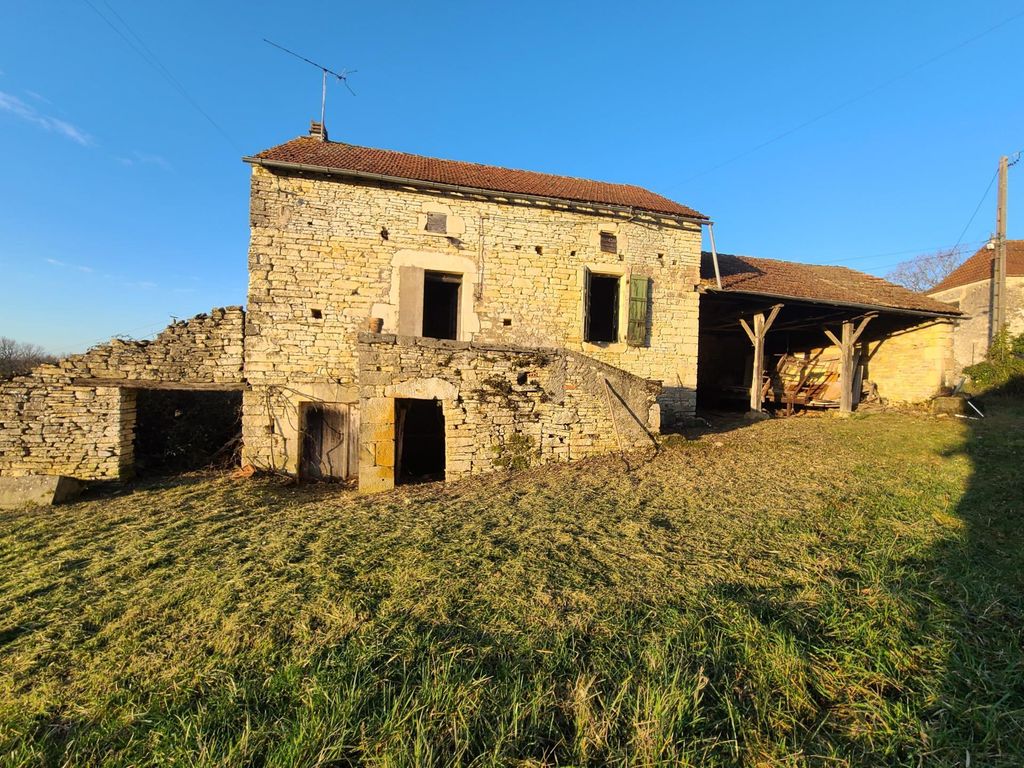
(761, 326)
(847, 344)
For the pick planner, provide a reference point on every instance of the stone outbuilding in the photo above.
(969, 288)
(77, 417)
(789, 335)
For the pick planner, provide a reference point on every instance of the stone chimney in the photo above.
(318, 130)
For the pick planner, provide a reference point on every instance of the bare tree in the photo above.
(18, 357)
(924, 272)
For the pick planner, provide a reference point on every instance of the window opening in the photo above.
(441, 305)
(602, 320)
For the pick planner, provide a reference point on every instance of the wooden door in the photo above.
(330, 441)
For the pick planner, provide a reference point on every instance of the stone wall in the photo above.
(562, 405)
(50, 425)
(339, 248)
(912, 365)
(970, 339)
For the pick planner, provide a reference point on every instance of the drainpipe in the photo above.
(480, 257)
(714, 254)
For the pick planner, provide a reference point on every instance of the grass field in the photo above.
(811, 591)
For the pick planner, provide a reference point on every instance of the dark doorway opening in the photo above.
(441, 305)
(180, 431)
(603, 308)
(419, 441)
(330, 441)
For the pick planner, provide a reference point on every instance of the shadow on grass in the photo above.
(980, 583)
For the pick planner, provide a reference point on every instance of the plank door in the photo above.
(330, 442)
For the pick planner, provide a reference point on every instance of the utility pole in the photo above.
(999, 270)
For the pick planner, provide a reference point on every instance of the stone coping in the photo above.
(366, 337)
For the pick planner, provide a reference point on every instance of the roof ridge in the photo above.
(973, 268)
(341, 157)
(476, 164)
(826, 283)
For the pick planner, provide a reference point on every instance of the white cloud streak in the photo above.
(146, 158)
(12, 105)
(79, 267)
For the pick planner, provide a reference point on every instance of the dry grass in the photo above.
(801, 592)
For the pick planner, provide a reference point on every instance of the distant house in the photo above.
(969, 288)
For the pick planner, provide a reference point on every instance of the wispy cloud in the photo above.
(121, 280)
(38, 97)
(14, 106)
(79, 267)
(138, 157)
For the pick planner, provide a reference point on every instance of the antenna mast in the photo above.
(342, 76)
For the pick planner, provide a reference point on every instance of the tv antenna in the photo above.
(342, 76)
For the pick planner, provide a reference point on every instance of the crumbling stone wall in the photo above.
(561, 405)
(336, 247)
(51, 425)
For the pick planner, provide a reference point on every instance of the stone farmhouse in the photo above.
(411, 318)
(969, 288)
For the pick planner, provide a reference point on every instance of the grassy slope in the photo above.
(778, 595)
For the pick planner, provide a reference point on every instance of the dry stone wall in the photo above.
(326, 255)
(50, 425)
(501, 404)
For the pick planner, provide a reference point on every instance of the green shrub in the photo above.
(1003, 367)
(516, 452)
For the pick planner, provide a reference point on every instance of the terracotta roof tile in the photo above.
(979, 267)
(335, 155)
(746, 274)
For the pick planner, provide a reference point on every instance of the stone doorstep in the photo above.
(37, 490)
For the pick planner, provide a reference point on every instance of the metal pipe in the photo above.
(714, 254)
(441, 186)
(480, 279)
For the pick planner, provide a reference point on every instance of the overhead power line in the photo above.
(977, 208)
(147, 55)
(908, 252)
(853, 100)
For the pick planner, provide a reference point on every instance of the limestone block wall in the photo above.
(48, 425)
(566, 405)
(912, 365)
(971, 336)
(326, 255)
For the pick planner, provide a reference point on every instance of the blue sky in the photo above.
(122, 204)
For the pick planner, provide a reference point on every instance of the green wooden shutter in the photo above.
(636, 332)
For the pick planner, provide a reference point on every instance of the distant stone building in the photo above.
(969, 288)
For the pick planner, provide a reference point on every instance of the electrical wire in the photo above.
(853, 100)
(976, 209)
(150, 58)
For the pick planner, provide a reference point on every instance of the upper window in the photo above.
(602, 305)
(437, 222)
(441, 305)
(609, 243)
